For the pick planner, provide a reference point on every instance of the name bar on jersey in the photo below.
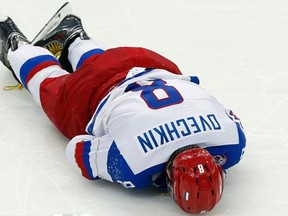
(175, 130)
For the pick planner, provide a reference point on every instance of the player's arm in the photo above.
(81, 153)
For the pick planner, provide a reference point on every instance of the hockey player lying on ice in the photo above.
(131, 115)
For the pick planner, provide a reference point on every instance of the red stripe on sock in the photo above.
(38, 68)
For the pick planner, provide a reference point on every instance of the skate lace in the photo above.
(12, 87)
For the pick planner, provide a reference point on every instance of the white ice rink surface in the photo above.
(239, 50)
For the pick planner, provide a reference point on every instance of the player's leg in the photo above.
(54, 89)
(31, 65)
(69, 42)
(82, 52)
(69, 100)
(25, 60)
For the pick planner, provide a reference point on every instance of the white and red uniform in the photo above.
(128, 110)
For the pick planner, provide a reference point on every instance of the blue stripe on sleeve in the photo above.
(86, 157)
(195, 79)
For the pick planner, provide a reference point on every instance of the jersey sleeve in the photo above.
(100, 157)
(81, 153)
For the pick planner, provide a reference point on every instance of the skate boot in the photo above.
(10, 37)
(58, 40)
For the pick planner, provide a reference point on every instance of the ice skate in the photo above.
(58, 40)
(10, 37)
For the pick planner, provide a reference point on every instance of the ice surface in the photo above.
(239, 51)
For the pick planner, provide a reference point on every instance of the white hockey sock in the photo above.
(78, 48)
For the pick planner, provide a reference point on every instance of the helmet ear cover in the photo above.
(195, 180)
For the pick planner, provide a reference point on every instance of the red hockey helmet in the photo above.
(195, 180)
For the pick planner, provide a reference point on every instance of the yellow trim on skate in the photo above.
(55, 48)
(18, 86)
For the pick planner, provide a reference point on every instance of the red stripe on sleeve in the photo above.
(79, 158)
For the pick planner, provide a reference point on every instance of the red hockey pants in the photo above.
(71, 100)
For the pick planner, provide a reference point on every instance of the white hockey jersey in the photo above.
(141, 122)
